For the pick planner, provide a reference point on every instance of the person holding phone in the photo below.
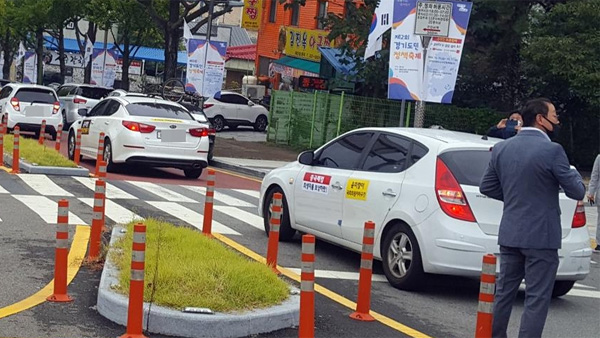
(592, 195)
(507, 127)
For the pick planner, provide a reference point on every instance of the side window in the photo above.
(418, 152)
(111, 108)
(226, 98)
(64, 91)
(389, 154)
(240, 99)
(5, 92)
(98, 109)
(344, 153)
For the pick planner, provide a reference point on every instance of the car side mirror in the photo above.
(82, 112)
(250, 103)
(306, 157)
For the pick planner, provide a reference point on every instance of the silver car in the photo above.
(73, 97)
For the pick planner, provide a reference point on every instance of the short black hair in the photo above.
(533, 108)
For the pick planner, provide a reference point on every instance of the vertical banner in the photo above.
(97, 66)
(205, 67)
(30, 68)
(110, 68)
(252, 14)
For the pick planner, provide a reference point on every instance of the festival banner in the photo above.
(110, 68)
(97, 66)
(30, 68)
(304, 43)
(252, 14)
(205, 67)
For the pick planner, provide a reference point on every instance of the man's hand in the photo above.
(591, 198)
(501, 124)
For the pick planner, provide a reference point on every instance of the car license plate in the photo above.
(171, 135)
(34, 111)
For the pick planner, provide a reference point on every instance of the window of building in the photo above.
(273, 11)
(295, 14)
(322, 14)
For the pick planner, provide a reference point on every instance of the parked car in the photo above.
(79, 96)
(27, 105)
(141, 130)
(421, 189)
(199, 116)
(233, 110)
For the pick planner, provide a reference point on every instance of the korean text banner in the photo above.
(205, 67)
(252, 14)
(304, 43)
(30, 68)
(406, 78)
(104, 71)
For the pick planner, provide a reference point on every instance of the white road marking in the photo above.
(219, 196)
(46, 208)
(341, 275)
(111, 191)
(115, 212)
(3, 191)
(43, 185)
(244, 216)
(162, 192)
(251, 193)
(191, 217)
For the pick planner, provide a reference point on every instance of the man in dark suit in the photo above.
(525, 172)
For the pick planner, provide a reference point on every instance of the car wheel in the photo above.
(108, 156)
(71, 146)
(401, 258)
(261, 123)
(286, 232)
(219, 123)
(192, 173)
(64, 119)
(562, 287)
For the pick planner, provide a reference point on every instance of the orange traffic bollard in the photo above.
(135, 311)
(61, 254)
(101, 172)
(208, 203)
(274, 223)
(77, 152)
(58, 137)
(97, 221)
(100, 154)
(42, 132)
(15, 164)
(486, 297)
(103, 195)
(306, 329)
(363, 304)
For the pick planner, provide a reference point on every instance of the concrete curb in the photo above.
(166, 321)
(237, 168)
(35, 169)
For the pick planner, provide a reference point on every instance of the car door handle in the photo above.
(106, 123)
(336, 186)
(389, 193)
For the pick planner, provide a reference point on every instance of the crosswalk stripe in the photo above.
(251, 193)
(220, 197)
(163, 192)
(43, 185)
(3, 191)
(46, 208)
(111, 191)
(115, 211)
(189, 216)
(242, 215)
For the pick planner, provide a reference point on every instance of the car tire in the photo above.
(286, 232)
(407, 272)
(108, 156)
(219, 123)
(562, 287)
(261, 123)
(192, 173)
(64, 119)
(71, 147)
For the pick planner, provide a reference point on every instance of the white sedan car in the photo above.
(421, 188)
(143, 130)
(233, 110)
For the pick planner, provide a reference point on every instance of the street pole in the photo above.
(104, 60)
(402, 109)
(211, 7)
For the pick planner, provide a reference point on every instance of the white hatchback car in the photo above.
(401, 179)
(142, 130)
(233, 110)
(27, 105)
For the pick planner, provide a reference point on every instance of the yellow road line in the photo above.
(227, 172)
(322, 290)
(4, 168)
(76, 256)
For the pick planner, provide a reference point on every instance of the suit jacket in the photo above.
(595, 179)
(525, 172)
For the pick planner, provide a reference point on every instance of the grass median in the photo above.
(197, 271)
(33, 152)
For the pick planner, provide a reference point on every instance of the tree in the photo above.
(9, 39)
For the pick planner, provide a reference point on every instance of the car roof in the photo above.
(27, 85)
(141, 99)
(441, 136)
(86, 85)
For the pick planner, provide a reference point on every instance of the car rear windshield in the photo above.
(93, 93)
(36, 95)
(467, 166)
(149, 109)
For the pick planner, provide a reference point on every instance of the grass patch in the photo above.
(32, 152)
(194, 270)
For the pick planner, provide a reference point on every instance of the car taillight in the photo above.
(212, 132)
(55, 107)
(15, 104)
(579, 219)
(140, 127)
(450, 195)
(78, 100)
(207, 105)
(199, 132)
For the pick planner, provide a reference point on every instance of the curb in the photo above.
(166, 321)
(238, 168)
(35, 169)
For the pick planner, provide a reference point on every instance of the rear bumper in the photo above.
(33, 123)
(169, 163)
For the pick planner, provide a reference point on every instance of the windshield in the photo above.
(150, 109)
(36, 95)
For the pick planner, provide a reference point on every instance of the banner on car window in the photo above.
(205, 67)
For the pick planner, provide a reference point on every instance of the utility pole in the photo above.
(211, 8)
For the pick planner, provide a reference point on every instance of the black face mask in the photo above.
(552, 134)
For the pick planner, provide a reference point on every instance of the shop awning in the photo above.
(307, 66)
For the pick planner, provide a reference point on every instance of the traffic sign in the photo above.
(433, 18)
